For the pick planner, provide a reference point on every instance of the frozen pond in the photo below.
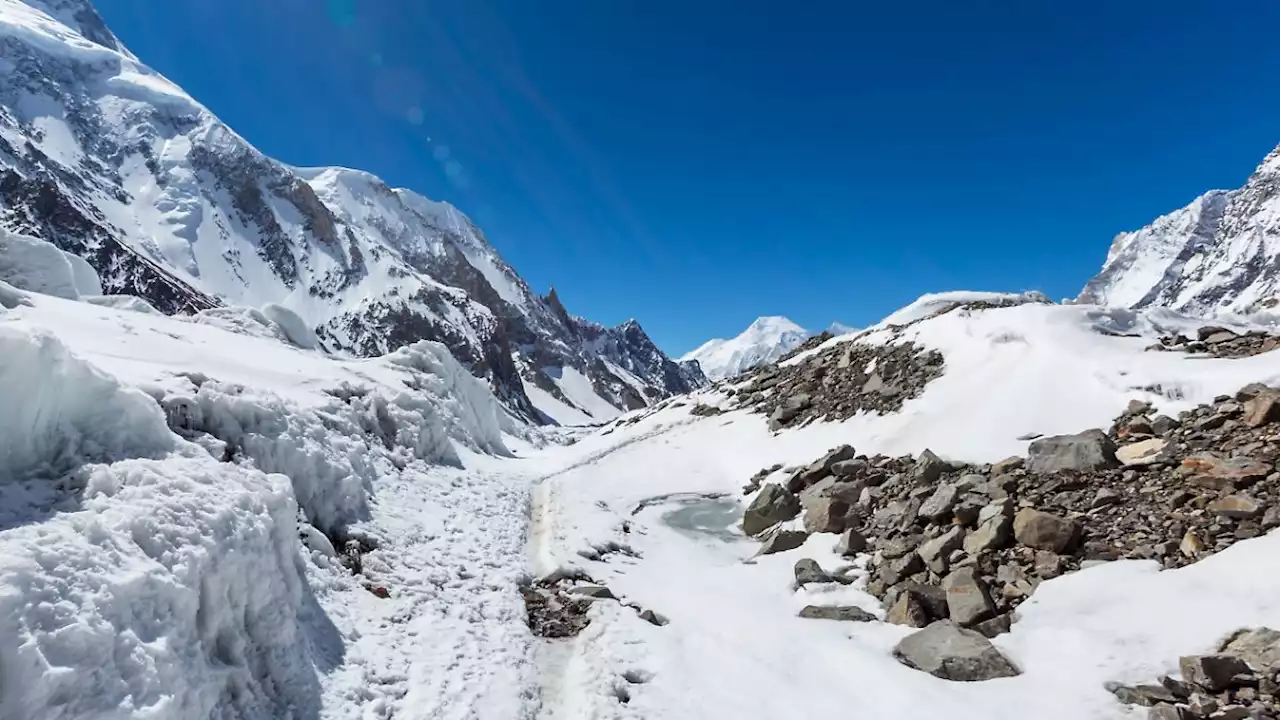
(700, 517)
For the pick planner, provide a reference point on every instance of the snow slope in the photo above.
(111, 162)
(764, 341)
(1217, 255)
(172, 491)
(734, 647)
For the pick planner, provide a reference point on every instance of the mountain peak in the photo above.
(765, 340)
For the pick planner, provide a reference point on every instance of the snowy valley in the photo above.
(288, 443)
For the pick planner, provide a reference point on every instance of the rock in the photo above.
(1008, 465)
(849, 468)
(846, 613)
(808, 570)
(899, 546)
(653, 618)
(1237, 507)
(1163, 425)
(1218, 473)
(1202, 706)
(908, 610)
(1165, 711)
(788, 410)
(822, 511)
(992, 533)
(1260, 647)
(1086, 451)
(1181, 690)
(1192, 545)
(895, 571)
(968, 601)
(774, 504)
(1048, 564)
(997, 625)
(851, 542)
(939, 505)
(1262, 409)
(1212, 672)
(1142, 453)
(1105, 497)
(929, 467)
(1137, 407)
(936, 553)
(1252, 390)
(779, 540)
(1043, 531)
(596, 592)
(945, 650)
(1205, 332)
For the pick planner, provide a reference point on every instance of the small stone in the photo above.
(992, 533)
(597, 592)
(1202, 705)
(844, 613)
(1237, 507)
(968, 601)
(1181, 690)
(1048, 564)
(895, 571)
(653, 618)
(1163, 425)
(1043, 531)
(1105, 497)
(899, 546)
(1192, 546)
(950, 652)
(1211, 672)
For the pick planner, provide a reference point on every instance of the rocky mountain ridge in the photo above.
(108, 160)
(1216, 255)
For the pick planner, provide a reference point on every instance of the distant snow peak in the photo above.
(764, 341)
(1218, 255)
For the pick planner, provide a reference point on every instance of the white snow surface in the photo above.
(764, 341)
(173, 489)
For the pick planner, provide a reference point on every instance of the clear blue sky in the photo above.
(695, 164)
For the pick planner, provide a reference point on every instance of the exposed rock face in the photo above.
(168, 204)
(950, 652)
(1217, 254)
(1220, 342)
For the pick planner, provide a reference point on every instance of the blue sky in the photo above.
(697, 164)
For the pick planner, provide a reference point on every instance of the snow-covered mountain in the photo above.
(108, 160)
(764, 341)
(1217, 255)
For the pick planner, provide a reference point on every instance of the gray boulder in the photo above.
(1089, 450)
(1043, 531)
(1212, 672)
(779, 540)
(1260, 647)
(951, 652)
(929, 467)
(994, 523)
(808, 570)
(845, 613)
(939, 505)
(968, 601)
(936, 553)
(851, 542)
(788, 410)
(774, 504)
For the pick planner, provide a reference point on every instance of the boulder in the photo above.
(895, 571)
(1260, 647)
(808, 570)
(1043, 531)
(939, 505)
(946, 650)
(1143, 452)
(596, 592)
(968, 601)
(1213, 471)
(773, 504)
(909, 610)
(779, 540)
(1165, 711)
(1237, 507)
(1212, 672)
(845, 613)
(994, 523)
(653, 618)
(936, 553)
(928, 468)
(997, 625)
(851, 542)
(1262, 409)
(1163, 425)
(1086, 451)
